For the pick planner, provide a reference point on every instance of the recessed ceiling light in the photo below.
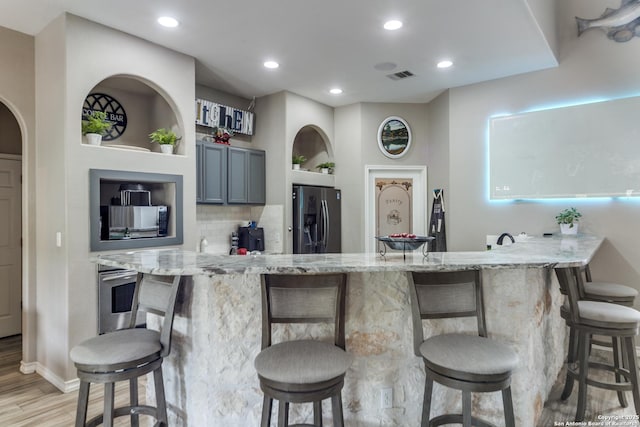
(335, 91)
(271, 64)
(445, 64)
(167, 21)
(392, 25)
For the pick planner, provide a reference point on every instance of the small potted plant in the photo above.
(95, 126)
(568, 220)
(326, 167)
(166, 138)
(297, 160)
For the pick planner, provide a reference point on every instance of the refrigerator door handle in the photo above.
(325, 236)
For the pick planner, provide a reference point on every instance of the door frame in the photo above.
(418, 174)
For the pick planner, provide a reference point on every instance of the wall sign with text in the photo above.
(212, 115)
(115, 113)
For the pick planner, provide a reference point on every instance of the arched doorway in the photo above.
(10, 224)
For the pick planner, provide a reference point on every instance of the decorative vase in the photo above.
(296, 166)
(94, 138)
(166, 148)
(568, 229)
(324, 170)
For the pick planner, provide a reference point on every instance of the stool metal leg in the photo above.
(83, 402)
(283, 414)
(618, 362)
(109, 389)
(584, 341)
(630, 348)
(466, 409)
(133, 400)
(336, 408)
(267, 403)
(317, 413)
(426, 402)
(572, 355)
(507, 403)
(161, 403)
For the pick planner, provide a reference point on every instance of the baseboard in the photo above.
(59, 383)
(28, 367)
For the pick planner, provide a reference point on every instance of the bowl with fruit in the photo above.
(404, 241)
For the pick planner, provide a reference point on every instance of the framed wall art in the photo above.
(394, 137)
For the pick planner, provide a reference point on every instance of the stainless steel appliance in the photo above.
(132, 222)
(115, 295)
(316, 220)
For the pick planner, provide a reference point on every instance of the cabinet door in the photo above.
(237, 175)
(214, 173)
(199, 172)
(256, 171)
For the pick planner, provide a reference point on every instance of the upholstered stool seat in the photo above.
(303, 361)
(117, 350)
(459, 355)
(611, 292)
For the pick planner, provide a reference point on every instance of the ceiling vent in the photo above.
(400, 75)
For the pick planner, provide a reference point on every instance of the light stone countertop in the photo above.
(534, 252)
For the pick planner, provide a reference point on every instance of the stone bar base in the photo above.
(210, 379)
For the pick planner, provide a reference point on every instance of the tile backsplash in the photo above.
(216, 222)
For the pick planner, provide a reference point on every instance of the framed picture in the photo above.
(394, 137)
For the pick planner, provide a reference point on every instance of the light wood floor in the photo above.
(29, 400)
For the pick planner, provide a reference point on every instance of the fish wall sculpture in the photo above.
(620, 24)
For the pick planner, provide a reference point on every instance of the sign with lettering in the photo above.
(115, 113)
(394, 206)
(213, 115)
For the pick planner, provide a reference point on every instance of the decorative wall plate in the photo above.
(394, 137)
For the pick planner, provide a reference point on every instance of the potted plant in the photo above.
(326, 167)
(166, 138)
(95, 126)
(297, 160)
(568, 220)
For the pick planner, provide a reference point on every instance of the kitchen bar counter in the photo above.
(534, 252)
(210, 379)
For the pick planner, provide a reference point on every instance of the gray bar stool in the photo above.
(126, 354)
(603, 292)
(304, 370)
(469, 363)
(586, 319)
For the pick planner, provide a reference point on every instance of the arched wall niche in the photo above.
(147, 106)
(10, 132)
(312, 142)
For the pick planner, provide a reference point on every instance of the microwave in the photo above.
(133, 222)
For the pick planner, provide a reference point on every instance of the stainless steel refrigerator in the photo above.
(316, 220)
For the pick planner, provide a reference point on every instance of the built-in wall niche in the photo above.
(312, 143)
(134, 209)
(144, 108)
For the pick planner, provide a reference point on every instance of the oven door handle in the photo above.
(109, 278)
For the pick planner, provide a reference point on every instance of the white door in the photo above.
(10, 248)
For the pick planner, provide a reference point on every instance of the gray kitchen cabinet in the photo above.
(246, 176)
(211, 173)
(229, 175)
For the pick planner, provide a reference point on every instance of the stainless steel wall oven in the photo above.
(115, 295)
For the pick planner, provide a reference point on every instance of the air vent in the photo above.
(400, 75)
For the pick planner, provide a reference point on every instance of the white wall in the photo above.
(67, 70)
(591, 67)
(17, 92)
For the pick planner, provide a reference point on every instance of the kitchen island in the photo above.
(210, 379)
